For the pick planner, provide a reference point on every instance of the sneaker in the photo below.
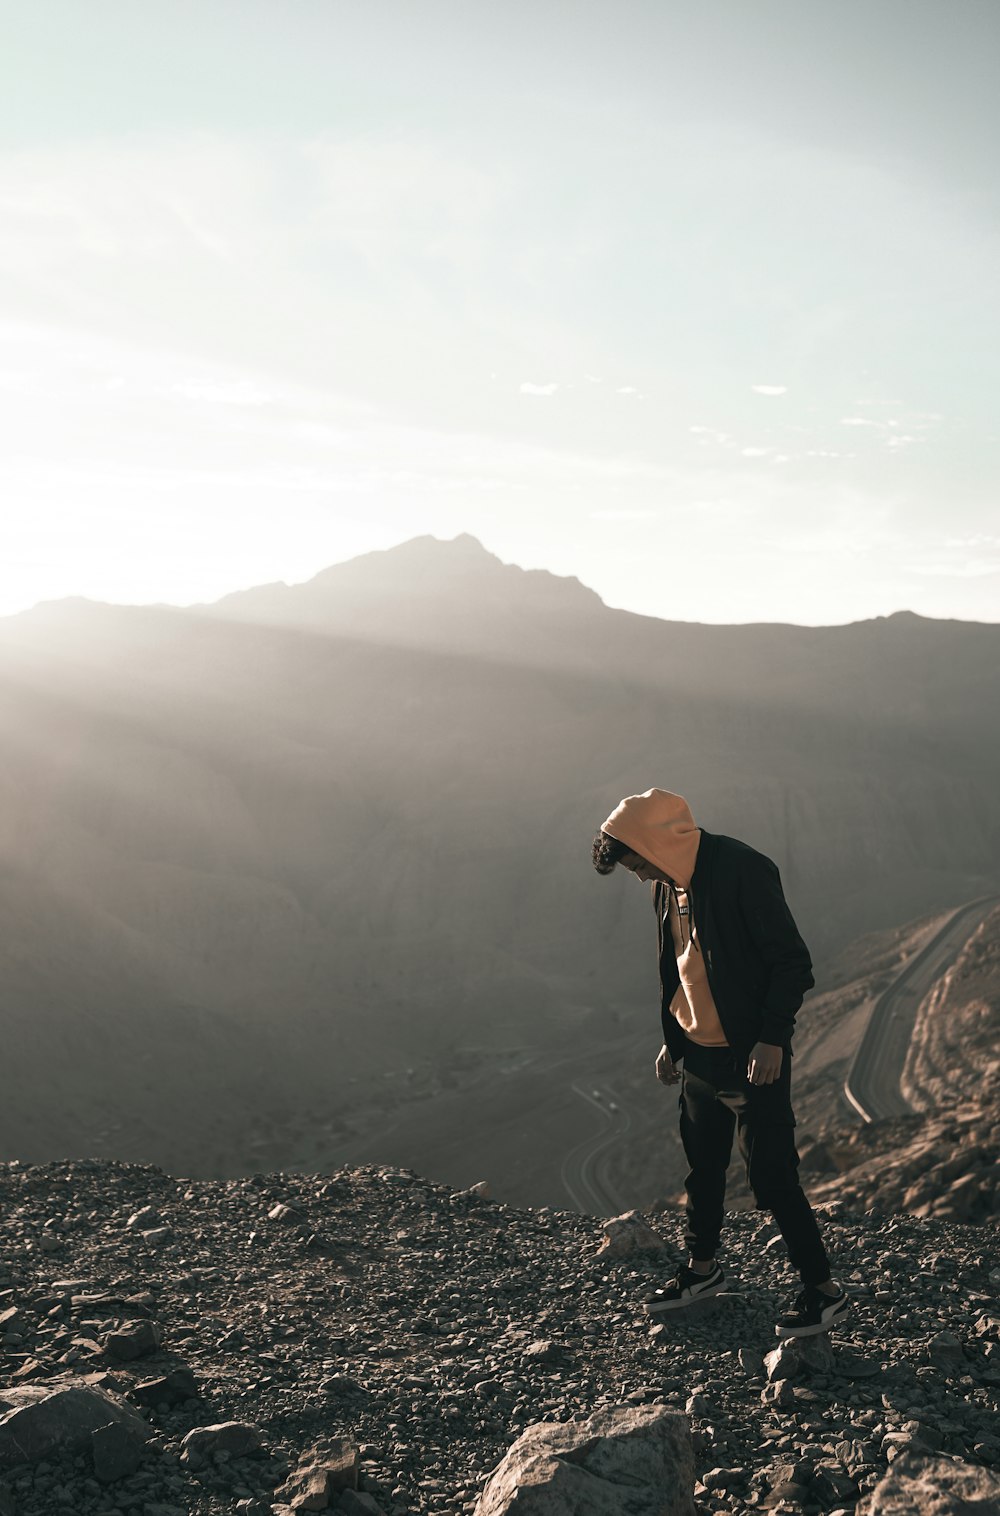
(682, 1290)
(813, 1312)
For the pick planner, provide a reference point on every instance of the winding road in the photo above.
(873, 1080)
(582, 1180)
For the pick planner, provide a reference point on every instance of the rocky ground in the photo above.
(954, 1058)
(428, 1329)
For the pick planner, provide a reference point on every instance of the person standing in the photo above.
(733, 973)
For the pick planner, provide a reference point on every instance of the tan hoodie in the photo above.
(659, 826)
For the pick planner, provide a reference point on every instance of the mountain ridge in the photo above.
(471, 552)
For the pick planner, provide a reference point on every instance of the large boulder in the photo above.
(934, 1487)
(625, 1461)
(46, 1420)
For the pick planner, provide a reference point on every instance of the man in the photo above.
(733, 971)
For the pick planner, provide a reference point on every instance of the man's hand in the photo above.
(667, 1071)
(764, 1063)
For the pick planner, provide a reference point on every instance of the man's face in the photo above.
(637, 865)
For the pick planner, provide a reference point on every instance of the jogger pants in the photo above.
(717, 1098)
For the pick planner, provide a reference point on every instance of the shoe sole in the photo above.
(817, 1328)
(656, 1309)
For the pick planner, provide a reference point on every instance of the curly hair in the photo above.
(607, 851)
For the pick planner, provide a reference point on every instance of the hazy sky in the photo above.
(696, 301)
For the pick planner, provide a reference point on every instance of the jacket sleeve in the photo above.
(673, 1037)
(780, 945)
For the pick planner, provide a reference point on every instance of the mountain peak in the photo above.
(464, 549)
(429, 592)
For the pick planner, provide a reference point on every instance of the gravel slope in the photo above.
(374, 1304)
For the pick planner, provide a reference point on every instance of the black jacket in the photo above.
(758, 965)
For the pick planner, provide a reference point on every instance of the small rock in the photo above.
(629, 1234)
(285, 1214)
(32, 1368)
(157, 1236)
(723, 1479)
(235, 1438)
(751, 1362)
(142, 1220)
(542, 1351)
(135, 1339)
(797, 1358)
(850, 1366)
(341, 1384)
(831, 1484)
(170, 1389)
(480, 1189)
(946, 1349)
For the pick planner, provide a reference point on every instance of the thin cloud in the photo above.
(527, 388)
(974, 569)
(769, 389)
(232, 392)
(625, 515)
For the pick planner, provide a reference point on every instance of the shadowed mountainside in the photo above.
(271, 856)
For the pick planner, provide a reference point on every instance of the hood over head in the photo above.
(659, 826)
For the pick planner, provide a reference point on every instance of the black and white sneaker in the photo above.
(813, 1312)
(687, 1287)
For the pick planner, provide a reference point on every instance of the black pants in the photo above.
(715, 1098)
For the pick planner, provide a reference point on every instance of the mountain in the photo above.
(268, 866)
(449, 596)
